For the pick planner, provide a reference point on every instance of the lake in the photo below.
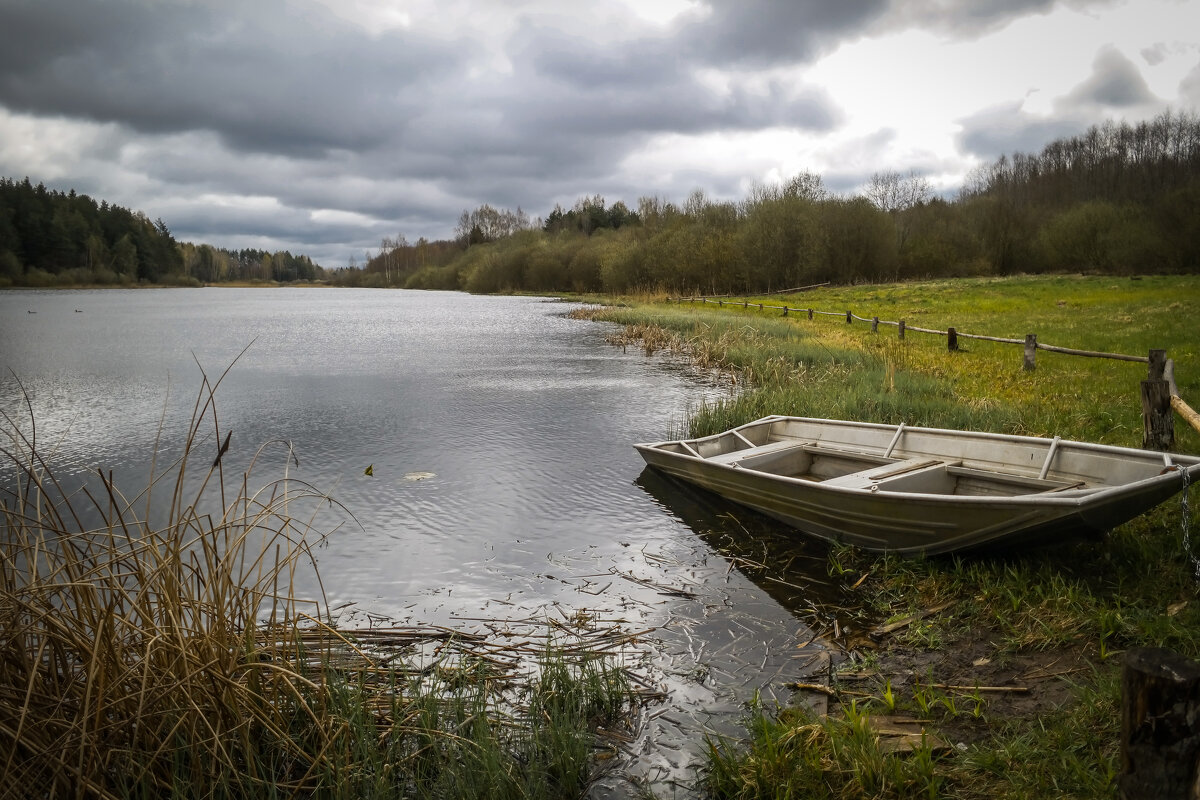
(503, 484)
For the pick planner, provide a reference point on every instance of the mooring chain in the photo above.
(1187, 525)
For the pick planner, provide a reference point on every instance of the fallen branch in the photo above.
(814, 687)
(892, 627)
(956, 688)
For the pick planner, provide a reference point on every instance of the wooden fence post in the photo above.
(1160, 726)
(875, 325)
(1030, 363)
(785, 310)
(810, 313)
(951, 339)
(849, 317)
(1158, 423)
(901, 330)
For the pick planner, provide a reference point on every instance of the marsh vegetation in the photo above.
(170, 655)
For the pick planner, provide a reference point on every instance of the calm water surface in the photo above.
(518, 421)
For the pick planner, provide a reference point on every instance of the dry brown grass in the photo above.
(151, 653)
(120, 640)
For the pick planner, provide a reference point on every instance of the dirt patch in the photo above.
(967, 685)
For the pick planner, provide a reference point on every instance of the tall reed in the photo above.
(142, 657)
(173, 658)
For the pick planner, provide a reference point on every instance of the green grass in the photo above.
(792, 754)
(825, 367)
(1096, 599)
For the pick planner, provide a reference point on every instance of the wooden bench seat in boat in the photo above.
(885, 473)
(760, 450)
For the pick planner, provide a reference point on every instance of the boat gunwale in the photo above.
(1077, 497)
(955, 433)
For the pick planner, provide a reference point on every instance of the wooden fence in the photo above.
(1159, 394)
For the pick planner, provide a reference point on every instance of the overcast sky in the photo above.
(321, 126)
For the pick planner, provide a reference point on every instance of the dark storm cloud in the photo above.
(235, 119)
(1115, 83)
(1007, 128)
(280, 98)
(971, 18)
(268, 75)
(763, 32)
(578, 87)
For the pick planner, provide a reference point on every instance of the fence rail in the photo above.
(953, 335)
(1159, 394)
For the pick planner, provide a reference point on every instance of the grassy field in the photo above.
(825, 367)
(1009, 663)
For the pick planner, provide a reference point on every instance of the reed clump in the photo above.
(172, 657)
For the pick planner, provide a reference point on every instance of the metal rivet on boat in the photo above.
(874, 487)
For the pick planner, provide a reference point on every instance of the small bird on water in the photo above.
(369, 470)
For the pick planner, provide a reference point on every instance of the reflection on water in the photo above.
(520, 421)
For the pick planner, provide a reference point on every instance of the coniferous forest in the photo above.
(51, 238)
(1119, 198)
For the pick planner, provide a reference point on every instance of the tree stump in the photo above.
(1160, 726)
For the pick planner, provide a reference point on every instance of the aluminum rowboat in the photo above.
(914, 490)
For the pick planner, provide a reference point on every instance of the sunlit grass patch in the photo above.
(984, 385)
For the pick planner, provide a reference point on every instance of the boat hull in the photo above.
(882, 514)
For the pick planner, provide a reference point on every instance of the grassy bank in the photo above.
(1008, 663)
(176, 659)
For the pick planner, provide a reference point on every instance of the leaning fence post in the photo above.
(951, 339)
(1030, 352)
(1160, 726)
(1158, 424)
(900, 329)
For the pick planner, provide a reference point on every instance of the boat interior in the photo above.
(837, 466)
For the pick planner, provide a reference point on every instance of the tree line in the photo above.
(1119, 198)
(50, 238)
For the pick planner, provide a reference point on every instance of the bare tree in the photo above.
(892, 192)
